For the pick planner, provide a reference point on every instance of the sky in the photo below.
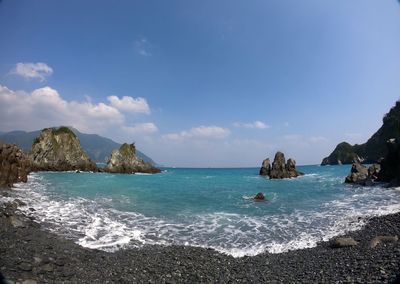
(203, 83)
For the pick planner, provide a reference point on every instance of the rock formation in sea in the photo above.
(280, 168)
(124, 160)
(390, 165)
(374, 149)
(14, 165)
(58, 149)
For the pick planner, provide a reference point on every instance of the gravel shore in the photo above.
(30, 254)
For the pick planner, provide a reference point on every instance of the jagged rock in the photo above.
(383, 239)
(265, 168)
(358, 174)
(59, 150)
(280, 169)
(390, 165)
(259, 196)
(344, 242)
(124, 160)
(373, 171)
(14, 165)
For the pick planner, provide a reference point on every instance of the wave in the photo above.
(93, 225)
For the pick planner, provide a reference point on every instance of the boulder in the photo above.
(14, 165)
(124, 160)
(344, 242)
(358, 174)
(280, 169)
(58, 149)
(383, 239)
(259, 197)
(265, 169)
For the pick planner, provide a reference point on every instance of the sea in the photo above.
(210, 208)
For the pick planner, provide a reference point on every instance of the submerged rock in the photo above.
(14, 165)
(280, 169)
(259, 196)
(124, 160)
(58, 149)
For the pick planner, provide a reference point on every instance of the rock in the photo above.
(259, 196)
(373, 171)
(383, 239)
(14, 165)
(344, 242)
(344, 153)
(25, 266)
(124, 160)
(265, 169)
(16, 222)
(280, 169)
(390, 165)
(358, 174)
(29, 281)
(58, 149)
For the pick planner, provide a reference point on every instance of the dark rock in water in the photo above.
(383, 239)
(259, 196)
(344, 242)
(124, 160)
(373, 171)
(265, 169)
(358, 174)
(14, 165)
(344, 153)
(280, 169)
(58, 149)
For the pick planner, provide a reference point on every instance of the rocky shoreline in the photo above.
(30, 254)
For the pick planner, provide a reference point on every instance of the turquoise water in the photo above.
(203, 207)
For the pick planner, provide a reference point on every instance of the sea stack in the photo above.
(58, 149)
(14, 165)
(125, 161)
(279, 169)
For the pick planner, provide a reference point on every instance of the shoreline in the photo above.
(29, 252)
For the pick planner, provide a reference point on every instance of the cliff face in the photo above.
(124, 160)
(58, 149)
(374, 149)
(14, 165)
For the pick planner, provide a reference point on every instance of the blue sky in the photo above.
(206, 83)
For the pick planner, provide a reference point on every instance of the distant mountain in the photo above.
(374, 149)
(97, 147)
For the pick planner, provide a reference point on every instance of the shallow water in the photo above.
(203, 207)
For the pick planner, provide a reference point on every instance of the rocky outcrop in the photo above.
(58, 149)
(390, 165)
(124, 160)
(358, 174)
(265, 168)
(279, 169)
(374, 149)
(14, 165)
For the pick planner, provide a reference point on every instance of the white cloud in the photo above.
(45, 107)
(318, 139)
(138, 105)
(143, 47)
(256, 124)
(141, 128)
(32, 70)
(214, 132)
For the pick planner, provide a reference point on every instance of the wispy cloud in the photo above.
(32, 70)
(255, 125)
(138, 105)
(143, 47)
(213, 132)
(141, 128)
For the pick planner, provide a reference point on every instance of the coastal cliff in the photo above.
(374, 149)
(58, 149)
(280, 168)
(14, 165)
(124, 160)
